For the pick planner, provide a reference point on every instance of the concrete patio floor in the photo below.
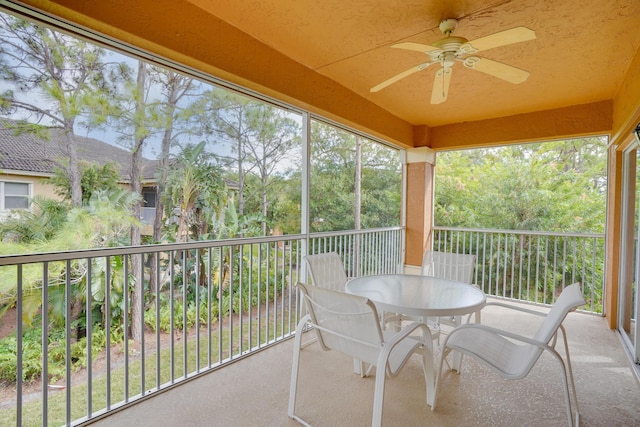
(254, 391)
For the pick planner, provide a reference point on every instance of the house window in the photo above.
(149, 197)
(148, 211)
(14, 195)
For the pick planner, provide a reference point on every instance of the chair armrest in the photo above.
(500, 332)
(399, 337)
(405, 332)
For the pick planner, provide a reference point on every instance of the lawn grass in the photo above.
(215, 350)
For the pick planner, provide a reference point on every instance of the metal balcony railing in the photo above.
(531, 266)
(202, 305)
(206, 304)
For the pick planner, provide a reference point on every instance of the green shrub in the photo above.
(56, 351)
(165, 316)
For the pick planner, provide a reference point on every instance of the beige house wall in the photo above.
(39, 185)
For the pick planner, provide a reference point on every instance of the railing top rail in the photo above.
(129, 250)
(355, 232)
(520, 232)
(202, 244)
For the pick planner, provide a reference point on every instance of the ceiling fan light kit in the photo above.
(451, 49)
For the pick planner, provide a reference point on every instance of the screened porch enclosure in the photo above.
(193, 325)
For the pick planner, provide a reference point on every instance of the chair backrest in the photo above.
(327, 271)
(570, 299)
(344, 322)
(515, 362)
(452, 266)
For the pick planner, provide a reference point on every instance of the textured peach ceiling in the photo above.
(582, 51)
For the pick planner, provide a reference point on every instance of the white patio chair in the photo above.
(452, 266)
(349, 324)
(512, 355)
(327, 271)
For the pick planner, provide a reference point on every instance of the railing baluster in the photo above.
(491, 263)
(155, 259)
(89, 332)
(209, 304)
(250, 297)
(107, 309)
(198, 278)
(267, 319)
(20, 337)
(259, 307)
(593, 278)
(535, 290)
(564, 261)
(546, 262)
(275, 285)
(45, 343)
(513, 267)
(172, 312)
(505, 250)
(221, 251)
(185, 319)
(141, 320)
(537, 271)
(555, 268)
(67, 335)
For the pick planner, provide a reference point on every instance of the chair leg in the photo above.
(570, 381)
(378, 395)
(358, 368)
(429, 375)
(567, 380)
(443, 356)
(294, 367)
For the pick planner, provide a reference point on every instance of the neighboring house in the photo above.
(27, 161)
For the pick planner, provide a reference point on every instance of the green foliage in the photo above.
(552, 187)
(233, 225)
(381, 188)
(105, 221)
(94, 177)
(39, 224)
(285, 213)
(333, 181)
(56, 353)
(557, 186)
(180, 314)
(195, 193)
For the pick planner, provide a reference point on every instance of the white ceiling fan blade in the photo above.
(502, 38)
(441, 85)
(418, 47)
(400, 76)
(501, 71)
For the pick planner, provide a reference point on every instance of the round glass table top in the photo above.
(418, 295)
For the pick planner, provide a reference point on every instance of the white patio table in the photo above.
(421, 296)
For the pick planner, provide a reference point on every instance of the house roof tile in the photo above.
(30, 153)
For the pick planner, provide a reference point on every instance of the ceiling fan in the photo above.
(452, 49)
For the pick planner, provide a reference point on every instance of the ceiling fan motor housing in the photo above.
(449, 50)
